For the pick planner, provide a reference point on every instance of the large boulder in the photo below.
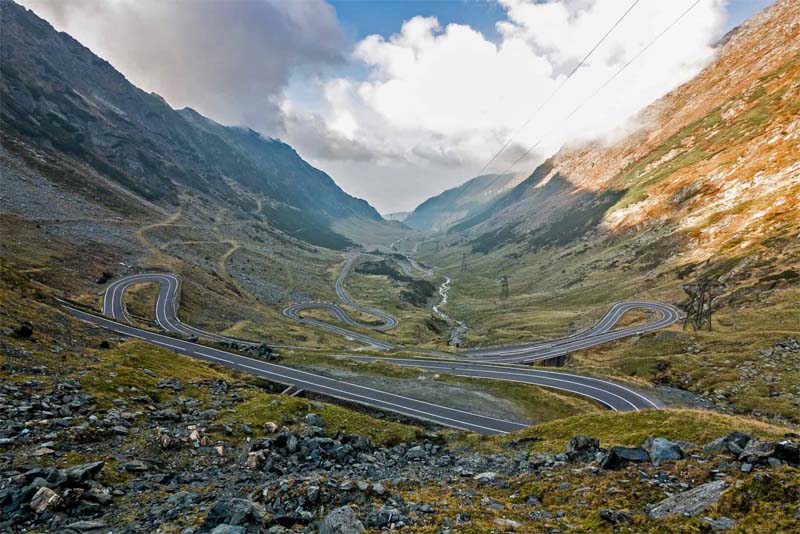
(416, 452)
(45, 500)
(237, 513)
(735, 442)
(757, 452)
(619, 457)
(582, 449)
(384, 517)
(341, 521)
(690, 503)
(788, 451)
(79, 474)
(662, 450)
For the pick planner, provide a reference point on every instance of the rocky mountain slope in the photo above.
(705, 188)
(464, 201)
(100, 434)
(62, 101)
(709, 170)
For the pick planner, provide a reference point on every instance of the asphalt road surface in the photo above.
(386, 321)
(488, 363)
(338, 389)
(602, 332)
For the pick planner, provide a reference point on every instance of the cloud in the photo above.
(439, 101)
(396, 119)
(229, 60)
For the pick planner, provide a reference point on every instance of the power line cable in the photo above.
(558, 88)
(603, 86)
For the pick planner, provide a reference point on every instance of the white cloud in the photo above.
(438, 102)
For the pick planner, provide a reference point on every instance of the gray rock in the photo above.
(98, 494)
(415, 452)
(182, 499)
(485, 478)
(507, 523)
(341, 521)
(228, 529)
(582, 449)
(314, 419)
(615, 517)
(81, 473)
(235, 512)
(662, 450)
(788, 451)
(619, 457)
(87, 526)
(757, 452)
(690, 503)
(384, 516)
(45, 499)
(135, 466)
(723, 523)
(734, 442)
(170, 383)
(255, 459)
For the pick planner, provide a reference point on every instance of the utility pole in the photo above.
(464, 261)
(504, 286)
(436, 242)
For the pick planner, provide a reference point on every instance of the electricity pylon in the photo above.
(703, 296)
(504, 286)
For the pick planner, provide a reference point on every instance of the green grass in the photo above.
(632, 428)
(739, 334)
(120, 372)
(261, 408)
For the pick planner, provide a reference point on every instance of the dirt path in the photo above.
(223, 260)
(140, 233)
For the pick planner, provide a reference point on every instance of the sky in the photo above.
(399, 100)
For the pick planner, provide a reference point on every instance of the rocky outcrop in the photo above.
(690, 503)
(342, 520)
(662, 450)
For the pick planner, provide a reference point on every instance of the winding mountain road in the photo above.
(489, 363)
(387, 322)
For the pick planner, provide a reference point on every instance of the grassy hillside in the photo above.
(706, 189)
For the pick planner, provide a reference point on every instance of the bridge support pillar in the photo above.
(558, 361)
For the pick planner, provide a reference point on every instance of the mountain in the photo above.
(62, 100)
(699, 207)
(460, 202)
(711, 171)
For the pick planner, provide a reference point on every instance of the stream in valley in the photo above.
(460, 328)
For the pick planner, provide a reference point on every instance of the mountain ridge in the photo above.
(60, 97)
(686, 155)
(460, 202)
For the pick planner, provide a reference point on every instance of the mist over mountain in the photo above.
(710, 170)
(461, 202)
